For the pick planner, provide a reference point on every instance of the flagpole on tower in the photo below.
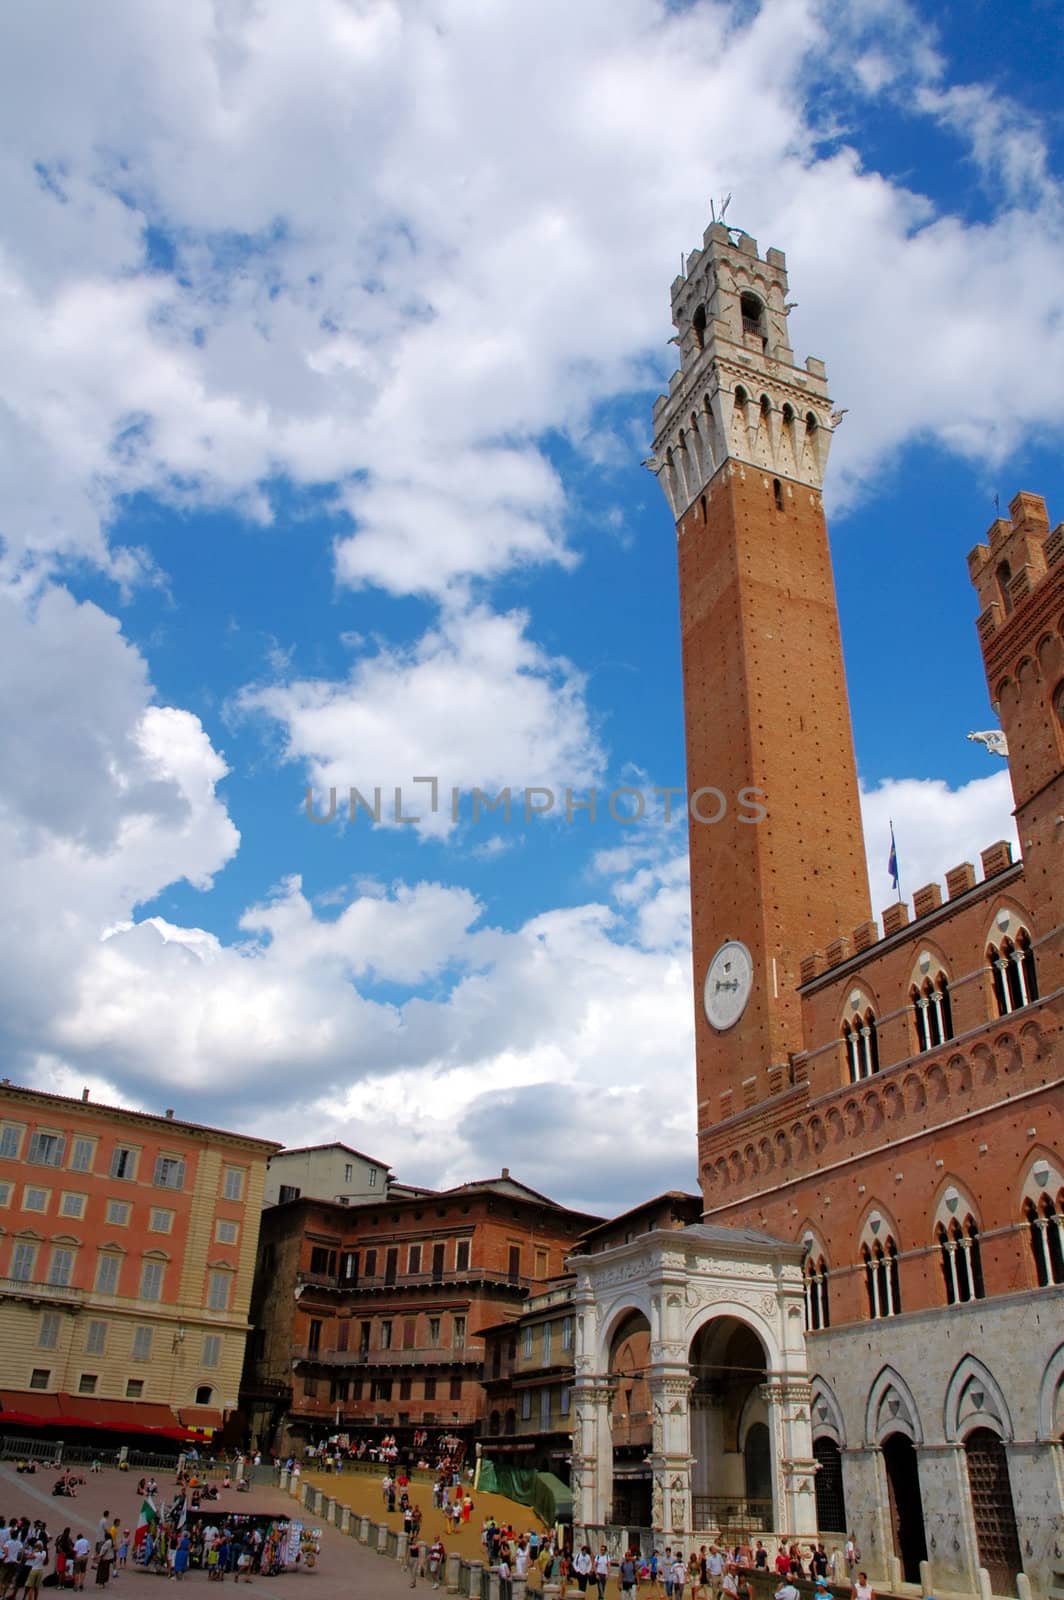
(892, 864)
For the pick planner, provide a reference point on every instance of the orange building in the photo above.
(127, 1248)
(368, 1318)
(889, 1096)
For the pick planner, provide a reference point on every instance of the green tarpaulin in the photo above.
(548, 1496)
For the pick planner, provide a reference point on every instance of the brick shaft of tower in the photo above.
(741, 442)
(1019, 577)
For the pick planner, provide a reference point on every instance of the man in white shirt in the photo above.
(602, 1571)
(679, 1574)
(12, 1557)
(582, 1565)
(786, 1590)
(729, 1584)
(715, 1569)
(81, 1560)
(520, 1560)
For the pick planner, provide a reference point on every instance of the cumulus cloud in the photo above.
(474, 702)
(355, 267)
(936, 828)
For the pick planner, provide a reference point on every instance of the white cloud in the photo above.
(473, 703)
(407, 243)
(935, 827)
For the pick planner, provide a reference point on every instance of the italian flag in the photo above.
(145, 1523)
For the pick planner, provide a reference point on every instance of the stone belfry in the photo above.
(740, 447)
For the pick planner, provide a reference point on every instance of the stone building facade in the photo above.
(885, 1096)
(127, 1249)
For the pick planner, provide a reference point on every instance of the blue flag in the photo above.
(892, 863)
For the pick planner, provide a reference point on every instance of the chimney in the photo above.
(506, 1172)
(84, 1094)
(170, 1112)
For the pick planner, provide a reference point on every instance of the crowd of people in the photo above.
(718, 1571)
(29, 1555)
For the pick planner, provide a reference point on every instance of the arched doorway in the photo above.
(632, 1422)
(990, 1490)
(731, 1480)
(757, 1462)
(830, 1498)
(906, 1504)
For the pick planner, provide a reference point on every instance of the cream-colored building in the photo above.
(325, 1172)
(127, 1250)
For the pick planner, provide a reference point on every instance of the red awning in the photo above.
(198, 1418)
(29, 1407)
(132, 1416)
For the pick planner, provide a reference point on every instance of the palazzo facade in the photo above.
(884, 1097)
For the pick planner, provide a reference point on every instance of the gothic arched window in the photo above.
(961, 1265)
(1014, 974)
(698, 323)
(861, 1044)
(817, 1310)
(932, 1011)
(1045, 1219)
(882, 1279)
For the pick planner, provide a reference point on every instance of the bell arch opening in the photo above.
(629, 1367)
(731, 1480)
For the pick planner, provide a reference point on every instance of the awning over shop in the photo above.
(200, 1419)
(28, 1408)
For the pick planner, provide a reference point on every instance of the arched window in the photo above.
(698, 323)
(1058, 703)
(493, 1424)
(811, 423)
(932, 1011)
(861, 1044)
(1004, 578)
(1045, 1219)
(204, 1394)
(787, 414)
(961, 1266)
(817, 1310)
(751, 310)
(741, 399)
(777, 493)
(882, 1280)
(1015, 977)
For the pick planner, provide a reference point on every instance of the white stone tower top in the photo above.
(738, 394)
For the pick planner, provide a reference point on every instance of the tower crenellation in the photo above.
(737, 393)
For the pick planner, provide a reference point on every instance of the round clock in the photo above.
(729, 979)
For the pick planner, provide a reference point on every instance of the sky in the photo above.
(329, 340)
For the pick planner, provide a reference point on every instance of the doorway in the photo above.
(906, 1505)
(993, 1510)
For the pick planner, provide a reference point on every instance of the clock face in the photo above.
(728, 983)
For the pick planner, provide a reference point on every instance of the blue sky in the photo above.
(330, 351)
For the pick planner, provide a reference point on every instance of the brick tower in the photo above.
(1019, 578)
(741, 443)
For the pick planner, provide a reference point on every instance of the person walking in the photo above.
(104, 1556)
(862, 1589)
(602, 1571)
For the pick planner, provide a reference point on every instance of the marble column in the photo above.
(670, 1398)
(787, 1401)
(592, 1468)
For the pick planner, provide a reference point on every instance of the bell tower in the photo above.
(740, 446)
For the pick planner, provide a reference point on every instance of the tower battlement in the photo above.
(738, 392)
(1015, 559)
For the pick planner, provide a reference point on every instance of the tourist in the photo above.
(82, 1551)
(853, 1556)
(862, 1589)
(787, 1590)
(506, 1588)
(437, 1557)
(104, 1556)
(627, 1573)
(679, 1574)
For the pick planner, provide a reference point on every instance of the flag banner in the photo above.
(892, 860)
(146, 1523)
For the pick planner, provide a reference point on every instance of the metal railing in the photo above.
(426, 1355)
(24, 1289)
(733, 1514)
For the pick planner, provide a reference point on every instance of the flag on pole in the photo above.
(892, 861)
(146, 1523)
